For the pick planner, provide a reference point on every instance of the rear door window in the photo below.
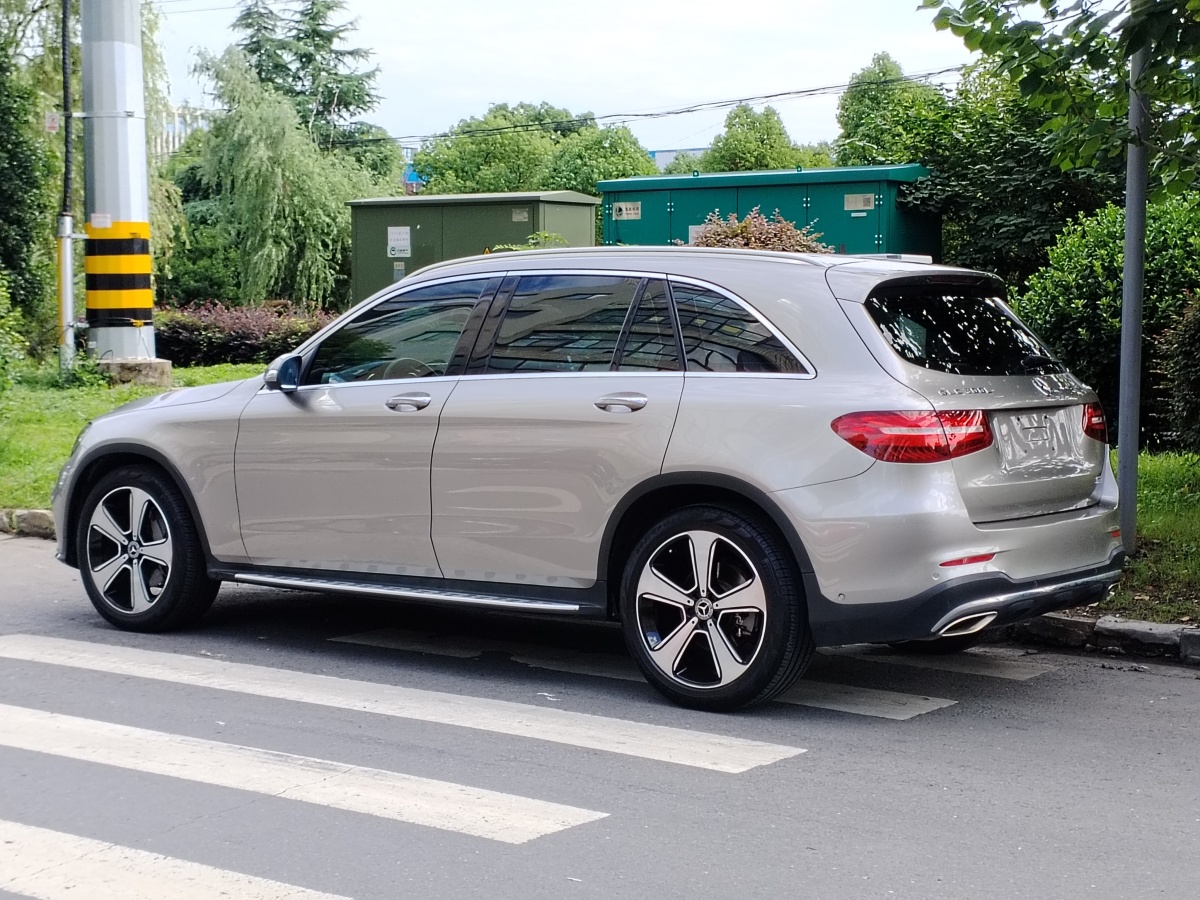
(563, 323)
(960, 332)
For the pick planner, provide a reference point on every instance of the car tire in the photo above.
(941, 646)
(140, 556)
(733, 637)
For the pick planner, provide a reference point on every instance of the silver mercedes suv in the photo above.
(738, 455)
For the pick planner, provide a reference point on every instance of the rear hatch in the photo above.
(955, 341)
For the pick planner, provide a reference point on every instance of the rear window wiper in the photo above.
(1037, 361)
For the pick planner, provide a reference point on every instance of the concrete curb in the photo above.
(1111, 634)
(38, 523)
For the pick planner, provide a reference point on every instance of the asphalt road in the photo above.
(297, 745)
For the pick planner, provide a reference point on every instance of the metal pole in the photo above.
(119, 299)
(1129, 402)
(66, 221)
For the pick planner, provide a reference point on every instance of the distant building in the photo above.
(168, 133)
(662, 158)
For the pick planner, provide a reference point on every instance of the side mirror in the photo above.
(283, 374)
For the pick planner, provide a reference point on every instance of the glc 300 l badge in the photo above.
(958, 392)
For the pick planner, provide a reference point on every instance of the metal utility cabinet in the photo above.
(394, 236)
(854, 209)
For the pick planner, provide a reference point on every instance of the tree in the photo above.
(506, 149)
(684, 163)
(878, 111)
(751, 140)
(26, 196)
(596, 154)
(1071, 62)
(302, 55)
(282, 201)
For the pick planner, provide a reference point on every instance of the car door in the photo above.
(335, 475)
(573, 404)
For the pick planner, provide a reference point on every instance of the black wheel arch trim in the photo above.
(752, 495)
(74, 498)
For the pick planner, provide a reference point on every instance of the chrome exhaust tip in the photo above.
(968, 624)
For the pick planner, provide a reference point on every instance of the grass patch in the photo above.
(1162, 581)
(40, 419)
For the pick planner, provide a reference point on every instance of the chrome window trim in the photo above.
(308, 388)
(779, 335)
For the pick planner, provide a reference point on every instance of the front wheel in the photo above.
(712, 610)
(140, 556)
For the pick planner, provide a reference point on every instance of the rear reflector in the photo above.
(969, 560)
(915, 436)
(1094, 424)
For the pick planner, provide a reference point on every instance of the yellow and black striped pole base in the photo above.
(117, 266)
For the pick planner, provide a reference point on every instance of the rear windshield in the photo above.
(948, 329)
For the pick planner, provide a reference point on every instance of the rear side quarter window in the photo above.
(721, 335)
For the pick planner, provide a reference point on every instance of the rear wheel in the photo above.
(140, 556)
(712, 610)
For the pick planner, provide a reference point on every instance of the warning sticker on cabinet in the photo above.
(627, 211)
(399, 244)
(860, 201)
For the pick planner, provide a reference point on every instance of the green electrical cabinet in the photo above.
(855, 209)
(394, 236)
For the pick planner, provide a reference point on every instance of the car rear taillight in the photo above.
(913, 436)
(1095, 425)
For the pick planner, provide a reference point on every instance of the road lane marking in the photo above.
(390, 795)
(51, 865)
(818, 694)
(862, 701)
(698, 749)
(990, 662)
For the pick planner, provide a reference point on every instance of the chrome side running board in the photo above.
(429, 595)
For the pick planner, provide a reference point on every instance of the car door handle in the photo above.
(409, 402)
(621, 403)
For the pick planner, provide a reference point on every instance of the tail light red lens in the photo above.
(913, 436)
(1095, 425)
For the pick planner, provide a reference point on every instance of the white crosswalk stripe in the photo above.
(714, 752)
(818, 694)
(420, 801)
(51, 865)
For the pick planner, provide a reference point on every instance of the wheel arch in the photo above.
(105, 459)
(661, 494)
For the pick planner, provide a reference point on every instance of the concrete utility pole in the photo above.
(66, 216)
(119, 298)
(1131, 306)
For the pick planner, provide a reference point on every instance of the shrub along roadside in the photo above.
(211, 334)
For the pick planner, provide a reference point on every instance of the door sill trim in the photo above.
(429, 595)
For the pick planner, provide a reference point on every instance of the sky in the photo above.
(443, 62)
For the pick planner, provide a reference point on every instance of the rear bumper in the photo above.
(927, 614)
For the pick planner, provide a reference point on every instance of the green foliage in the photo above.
(1071, 60)
(507, 149)
(207, 267)
(1075, 302)
(684, 163)
(537, 241)
(12, 344)
(596, 154)
(757, 232)
(281, 201)
(300, 53)
(26, 197)
(1182, 364)
(815, 156)
(751, 140)
(211, 334)
(882, 113)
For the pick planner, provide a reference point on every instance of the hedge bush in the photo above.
(12, 344)
(757, 232)
(1179, 346)
(211, 334)
(1075, 303)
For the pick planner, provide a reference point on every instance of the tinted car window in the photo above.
(947, 329)
(563, 323)
(650, 345)
(720, 335)
(410, 336)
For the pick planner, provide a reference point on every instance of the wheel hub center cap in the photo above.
(133, 550)
(704, 610)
